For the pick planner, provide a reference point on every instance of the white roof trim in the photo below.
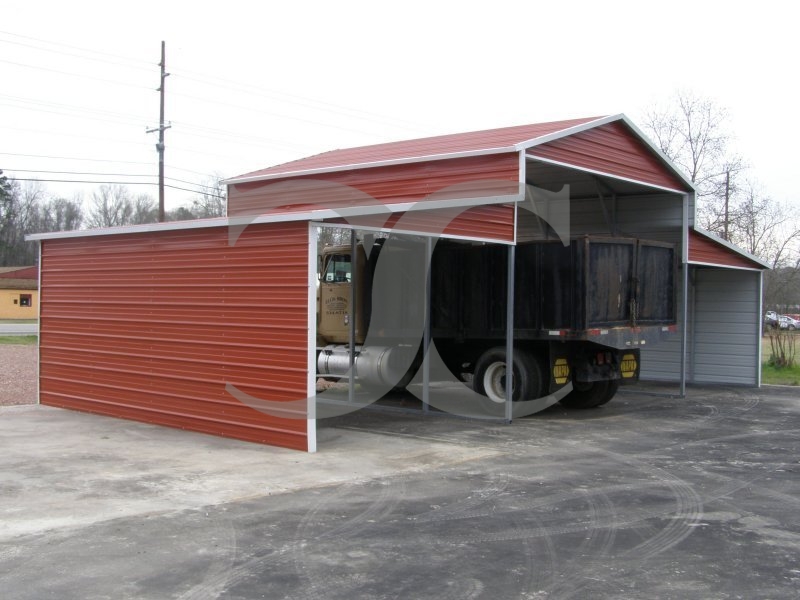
(722, 242)
(311, 215)
(602, 173)
(697, 263)
(442, 235)
(370, 165)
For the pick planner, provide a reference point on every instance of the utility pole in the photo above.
(727, 198)
(160, 129)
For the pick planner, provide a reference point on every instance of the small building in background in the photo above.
(19, 292)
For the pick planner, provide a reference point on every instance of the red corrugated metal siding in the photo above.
(705, 250)
(489, 222)
(476, 176)
(152, 327)
(612, 149)
(474, 141)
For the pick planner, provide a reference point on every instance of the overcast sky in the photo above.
(255, 84)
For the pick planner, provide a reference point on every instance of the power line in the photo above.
(104, 160)
(174, 187)
(300, 100)
(83, 173)
(212, 81)
(62, 45)
(24, 102)
(131, 122)
(80, 75)
(274, 114)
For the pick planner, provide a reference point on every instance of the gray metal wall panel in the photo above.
(722, 345)
(662, 362)
(727, 313)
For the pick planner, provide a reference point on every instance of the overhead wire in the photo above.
(174, 187)
(107, 160)
(83, 173)
(144, 64)
(186, 128)
(79, 75)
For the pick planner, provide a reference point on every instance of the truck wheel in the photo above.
(490, 375)
(590, 394)
(611, 391)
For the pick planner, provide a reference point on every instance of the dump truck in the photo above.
(582, 312)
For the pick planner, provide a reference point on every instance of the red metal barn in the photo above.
(167, 323)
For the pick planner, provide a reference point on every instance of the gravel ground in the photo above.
(17, 374)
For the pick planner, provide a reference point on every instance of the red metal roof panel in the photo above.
(475, 141)
(706, 250)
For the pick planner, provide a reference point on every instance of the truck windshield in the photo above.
(338, 269)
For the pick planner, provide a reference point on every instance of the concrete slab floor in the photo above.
(647, 497)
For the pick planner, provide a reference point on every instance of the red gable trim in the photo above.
(707, 251)
(614, 149)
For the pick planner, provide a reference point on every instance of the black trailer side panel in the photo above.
(655, 280)
(609, 279)
(592, 283)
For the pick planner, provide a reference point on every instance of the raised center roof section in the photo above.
(504, 139)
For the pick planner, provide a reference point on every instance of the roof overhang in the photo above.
(282, 217)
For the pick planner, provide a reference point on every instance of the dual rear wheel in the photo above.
(489, 379)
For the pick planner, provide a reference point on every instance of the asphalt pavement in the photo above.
(646, 497)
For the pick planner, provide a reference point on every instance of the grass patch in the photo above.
(773, 375)
(19, 340)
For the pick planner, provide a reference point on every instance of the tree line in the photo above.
(29, 208)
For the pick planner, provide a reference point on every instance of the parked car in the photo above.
(771, 319)
(787, 322)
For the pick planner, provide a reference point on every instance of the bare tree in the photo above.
(26, 209)
(693, 133)
(212, 202)
(765, 228)
(113, 206)
(145, 210)
(61, 214)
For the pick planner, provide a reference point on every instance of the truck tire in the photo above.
(490, 375)
(590, 394)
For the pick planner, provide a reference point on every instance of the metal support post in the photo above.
(351, 392)
(426, 360)
(510, 334)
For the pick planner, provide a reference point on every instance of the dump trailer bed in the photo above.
(616, 291)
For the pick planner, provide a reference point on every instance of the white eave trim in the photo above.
(559, 163)
(697, 263)
(370, 165)
(283, 217)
